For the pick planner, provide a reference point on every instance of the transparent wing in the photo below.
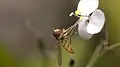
(85, 7)
(82, 29)
(96, 23)
(59, 55)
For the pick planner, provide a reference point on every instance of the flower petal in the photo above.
(82, 29)
(97, 21)
(86, 7)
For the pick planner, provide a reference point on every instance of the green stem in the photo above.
(99, 52)
(95, 56)
(113, 46)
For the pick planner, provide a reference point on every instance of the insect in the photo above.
(63, 39)
(63, 36)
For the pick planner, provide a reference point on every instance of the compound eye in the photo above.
(56, 30)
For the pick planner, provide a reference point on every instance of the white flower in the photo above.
(91, 25)
(97, 21)
(82, 25)
(86, 7)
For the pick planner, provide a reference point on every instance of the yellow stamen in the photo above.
(77, 13)
(81, 17)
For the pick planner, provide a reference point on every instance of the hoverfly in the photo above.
(63, 39)
(63, 36)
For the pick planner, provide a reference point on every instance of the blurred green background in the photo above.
(26, 33)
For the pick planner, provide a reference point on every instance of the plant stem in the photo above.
(100, 49)
(99, 52)
(113, 46)
(95, 55)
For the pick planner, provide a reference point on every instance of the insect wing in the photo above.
(96, 23)
(59, 55)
